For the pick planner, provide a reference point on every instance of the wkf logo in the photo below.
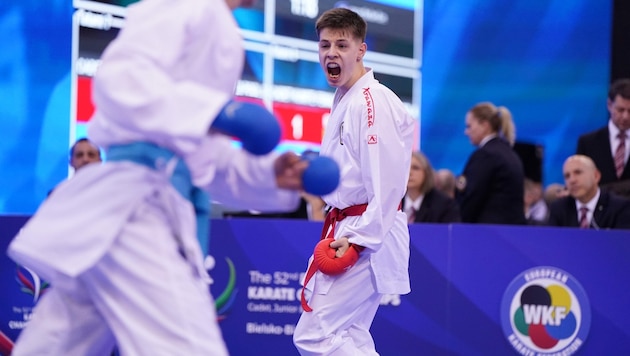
(545, 311)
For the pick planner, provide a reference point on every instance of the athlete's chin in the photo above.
(333, 82)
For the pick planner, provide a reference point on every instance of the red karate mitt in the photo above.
(325, 260)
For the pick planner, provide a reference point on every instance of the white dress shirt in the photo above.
(590, 205)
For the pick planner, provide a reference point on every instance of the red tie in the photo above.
(583, 219)
(411, 218)
(620, 153)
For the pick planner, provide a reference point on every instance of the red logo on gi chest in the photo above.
(372, 139)
(369, 103)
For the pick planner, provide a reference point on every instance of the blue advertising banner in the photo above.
(548, 62)
(476, 289)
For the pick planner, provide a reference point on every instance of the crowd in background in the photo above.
(494, 187)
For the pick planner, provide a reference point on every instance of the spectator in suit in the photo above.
(445, 182)
(554, 191)
(536, 210)
(609, 146)
(423, 202)
(84, 152)
(490, 190)
(600, 209)
(311, 208)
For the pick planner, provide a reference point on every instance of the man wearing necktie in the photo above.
(588, 206)
(609, 146)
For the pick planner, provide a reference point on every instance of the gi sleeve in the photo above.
(240, 180)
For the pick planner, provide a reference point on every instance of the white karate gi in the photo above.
(117, 241)
(370, 134)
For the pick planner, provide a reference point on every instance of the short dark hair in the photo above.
(84, 139)
(619, 87)
(341, 18)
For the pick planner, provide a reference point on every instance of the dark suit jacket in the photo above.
(300, 213)
(493, 189)
(611, 212)
(437, 207)
(596, 145)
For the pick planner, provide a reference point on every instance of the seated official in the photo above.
(82, 153)
(300, 213)
(536, 209)
(554, 191)
(588, 206)
(445, 181)
(312, 208)
(423, 202)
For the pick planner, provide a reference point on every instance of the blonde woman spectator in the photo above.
(423, 202)
(491, 189)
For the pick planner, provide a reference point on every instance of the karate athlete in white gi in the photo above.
(370, 134)
(118, 241)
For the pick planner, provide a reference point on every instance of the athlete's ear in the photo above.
(362, 50)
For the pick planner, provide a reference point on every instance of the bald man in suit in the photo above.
(602, 209)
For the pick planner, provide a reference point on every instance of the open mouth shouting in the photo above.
(334, 70)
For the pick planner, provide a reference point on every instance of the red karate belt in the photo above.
(324, 256)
